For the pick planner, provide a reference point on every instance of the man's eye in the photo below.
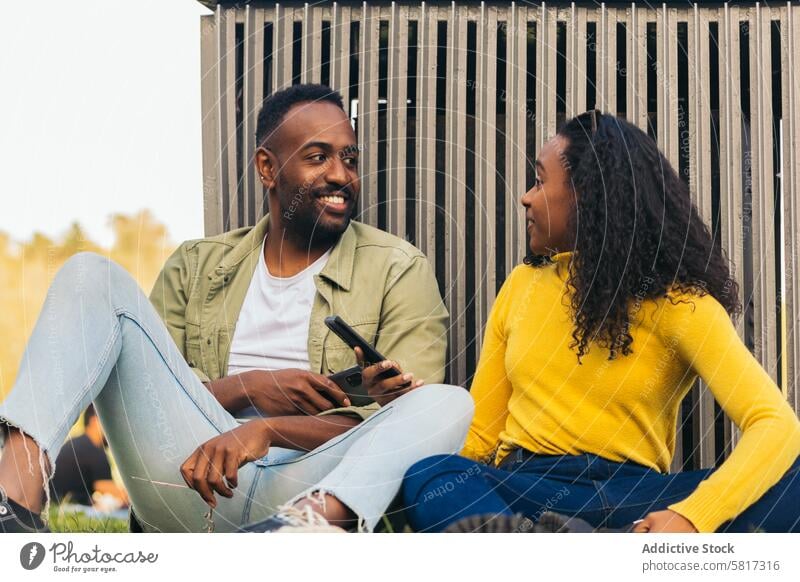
(351, 161)
(317, 157)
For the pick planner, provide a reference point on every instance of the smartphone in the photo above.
(349, 381)
(349, 336)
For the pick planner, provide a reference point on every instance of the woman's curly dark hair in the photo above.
(637, 233)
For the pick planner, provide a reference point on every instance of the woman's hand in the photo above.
(383, 390)
(666, 521)
(217, 461)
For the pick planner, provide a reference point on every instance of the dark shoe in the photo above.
(134, 525)
(16, 519)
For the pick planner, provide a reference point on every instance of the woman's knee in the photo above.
(424, 471)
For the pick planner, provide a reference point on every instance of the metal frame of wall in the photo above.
(250, 49)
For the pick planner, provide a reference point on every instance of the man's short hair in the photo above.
(275, 107)
(88, 415)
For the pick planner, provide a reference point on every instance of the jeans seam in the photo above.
(132, 317)
(250, 494)
(327, 445)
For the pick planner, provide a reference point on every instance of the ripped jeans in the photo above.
(98, 339)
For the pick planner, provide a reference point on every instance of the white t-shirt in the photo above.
(272, 330)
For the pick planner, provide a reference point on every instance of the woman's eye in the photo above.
(537, 181)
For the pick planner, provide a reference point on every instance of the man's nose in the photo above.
(337, 173)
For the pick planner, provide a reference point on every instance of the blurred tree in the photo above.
(141, 245)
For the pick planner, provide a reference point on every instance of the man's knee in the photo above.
(88, 272)
(451, 402)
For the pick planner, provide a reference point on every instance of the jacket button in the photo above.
(191, 363)
(208, 341)
(3, 510)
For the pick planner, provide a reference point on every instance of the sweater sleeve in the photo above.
(491, 388)
(705, 338)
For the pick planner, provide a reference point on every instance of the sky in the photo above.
(100, 114)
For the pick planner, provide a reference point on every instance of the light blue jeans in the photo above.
(98, 339)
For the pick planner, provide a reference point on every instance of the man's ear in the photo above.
(267, 166)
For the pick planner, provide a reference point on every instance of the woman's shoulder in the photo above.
(690, 306)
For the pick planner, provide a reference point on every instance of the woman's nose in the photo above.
(527, 198)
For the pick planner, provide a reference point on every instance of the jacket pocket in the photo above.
(337, 356)
(193, 355)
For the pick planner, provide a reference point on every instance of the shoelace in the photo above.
(305, 517)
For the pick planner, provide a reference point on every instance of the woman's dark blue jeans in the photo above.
(440, 490)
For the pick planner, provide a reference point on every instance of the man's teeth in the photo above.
(333, 199)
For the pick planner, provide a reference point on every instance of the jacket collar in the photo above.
(338, 269)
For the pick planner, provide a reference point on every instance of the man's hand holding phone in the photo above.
(385, 381)
(292, 391)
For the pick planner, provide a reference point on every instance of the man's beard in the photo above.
(302, 222)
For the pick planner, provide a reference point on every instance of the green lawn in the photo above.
(79, 523)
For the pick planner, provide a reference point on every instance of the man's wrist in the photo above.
(231, 392)
(268, 429)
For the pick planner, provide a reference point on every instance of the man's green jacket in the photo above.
(381, 285)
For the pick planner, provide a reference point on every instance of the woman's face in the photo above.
(550, 204)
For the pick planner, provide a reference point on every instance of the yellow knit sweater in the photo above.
(530, 392)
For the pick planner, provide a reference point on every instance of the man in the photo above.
(83, 467)
(244, 315)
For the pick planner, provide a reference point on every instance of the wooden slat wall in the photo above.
(744, 143)
(790, 99)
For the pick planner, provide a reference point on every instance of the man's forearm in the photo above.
(305, 433)
(230, 392)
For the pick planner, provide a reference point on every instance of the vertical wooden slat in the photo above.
(699, 144)
(731, 202)
(368, 112)
(546, 50)
(426, 133)
(397, 110)
(667, 113)
(762, 172)
(550, 96)
(667, 71)
(575, 94)
(340, 51)
(607, 60)
(515, 107)
(311, 44)
(636, 79)
(485, 171)
(226, 67)
(209, 88)
(516, 66)
(282, 38)
(790, 180)
(253, 96)
(455, 190)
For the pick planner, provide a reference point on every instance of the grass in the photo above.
(60, 522)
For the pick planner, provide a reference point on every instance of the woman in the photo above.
(590, 347)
